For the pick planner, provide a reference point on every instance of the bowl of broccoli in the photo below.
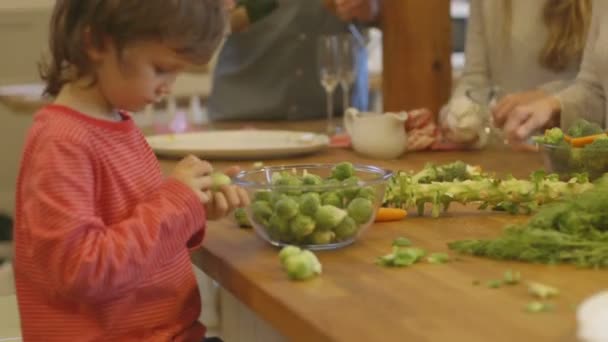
(315, 206)
(582, 149)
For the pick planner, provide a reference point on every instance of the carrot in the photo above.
(390, 214)
(582, 141)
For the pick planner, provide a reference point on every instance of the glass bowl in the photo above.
(314, 206)
(566, 161)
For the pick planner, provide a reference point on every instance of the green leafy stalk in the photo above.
(573, 231)
(511, 195)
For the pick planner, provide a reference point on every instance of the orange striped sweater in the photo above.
(101, 239)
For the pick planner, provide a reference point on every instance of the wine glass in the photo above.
(328, 53)
(486, 98)
(348, 66)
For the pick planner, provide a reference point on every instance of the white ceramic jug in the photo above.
(380, 136)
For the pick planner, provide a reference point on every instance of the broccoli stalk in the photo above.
(511, 194)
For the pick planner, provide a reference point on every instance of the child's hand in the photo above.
(194, 173)
(226, 198)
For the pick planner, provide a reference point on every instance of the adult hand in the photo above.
(507, 104)
(349, 10)
(525, 120)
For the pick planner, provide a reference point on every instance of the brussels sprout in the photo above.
(346, 229)
(240, 215)
(218, 179)
(343, 171)
(261, 211)
(310, 179)
(368, 192)
(332, 198)
(351, 188)
(288, 251)
(301, 226)
(301, 266)
(331, 182)
(361, 210)
(278, 228)
(288, 180)
(275, 197)
(328, 216)
(263, 195)
(321, 237)
(309, 203)
(286, 208)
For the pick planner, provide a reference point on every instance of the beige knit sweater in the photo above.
(508, 60)
(586, 97)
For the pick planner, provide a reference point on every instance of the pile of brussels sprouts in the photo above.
(306, 209)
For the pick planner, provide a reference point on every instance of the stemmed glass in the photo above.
(486, 98)
(348, 66)
(329, 69)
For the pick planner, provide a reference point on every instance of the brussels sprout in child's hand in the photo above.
(223, 196)
(193, 173)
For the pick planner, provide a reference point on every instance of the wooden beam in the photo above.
(417, 47)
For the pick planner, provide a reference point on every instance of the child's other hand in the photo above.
(226, 198)
(194, 173)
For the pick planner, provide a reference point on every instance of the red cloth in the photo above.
(101, 240)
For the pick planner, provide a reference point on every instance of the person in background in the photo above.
(585, 98)
(102, 240)
(527, 49)
(268, 69)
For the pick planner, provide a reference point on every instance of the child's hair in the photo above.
(567, 22)
(193, 28)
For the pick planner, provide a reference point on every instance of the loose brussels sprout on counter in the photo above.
(299, 264)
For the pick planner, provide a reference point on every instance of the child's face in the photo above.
(142, 75)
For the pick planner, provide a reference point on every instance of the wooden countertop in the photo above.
(356, 300)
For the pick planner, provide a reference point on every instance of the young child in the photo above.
(102, 240)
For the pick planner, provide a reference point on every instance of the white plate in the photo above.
(239, 144)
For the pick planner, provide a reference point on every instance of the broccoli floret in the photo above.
(457, 170)
(240, 215)
(428, 174)
(583, 128)
(595, 157)
(553, 136)
(453, 171)
(343, 171)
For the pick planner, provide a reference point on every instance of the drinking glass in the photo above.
(328, 53)
(348, 66)
(486, 98)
